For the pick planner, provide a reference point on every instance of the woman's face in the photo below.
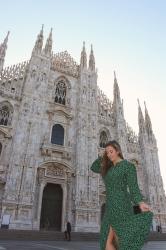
(112, 154)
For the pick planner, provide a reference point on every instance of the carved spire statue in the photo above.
(148, 123)
(141, 121)
(39, 43)
(91, 60)
(83, 60)
(119, 120)
(116, 88)
(48, 46)
(3, 48)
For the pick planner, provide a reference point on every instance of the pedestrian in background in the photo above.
(68, 231)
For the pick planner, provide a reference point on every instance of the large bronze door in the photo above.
(51, 212)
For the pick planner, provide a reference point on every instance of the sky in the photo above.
(127, 36)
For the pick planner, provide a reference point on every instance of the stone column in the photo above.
(64, 206)
(69, 197)
(42, 185)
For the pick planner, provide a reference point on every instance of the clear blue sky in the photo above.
(128, 36)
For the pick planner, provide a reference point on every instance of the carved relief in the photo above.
(43, 76)
(41, 174)
(66, 155)
(54, 172)
(33, 74)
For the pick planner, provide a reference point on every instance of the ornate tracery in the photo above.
(6, 111)
(103, 139)
(60, 92)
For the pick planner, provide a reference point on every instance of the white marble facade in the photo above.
(54, 122)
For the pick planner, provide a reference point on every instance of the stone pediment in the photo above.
(56, 151)
(60, 109)
(52, 170)
(63, 62)
(55, 168)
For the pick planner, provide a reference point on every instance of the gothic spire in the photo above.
(148, 123)
(83, 60)
(91, 60)
(116, 88)
(141, 121)
(3, 48)
(48, 46)
(39, 42)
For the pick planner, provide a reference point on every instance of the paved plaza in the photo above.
(59, 245)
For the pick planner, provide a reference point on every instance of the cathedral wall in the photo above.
(31, 129)
(30, 160)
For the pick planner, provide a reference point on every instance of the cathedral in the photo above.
(54, 122)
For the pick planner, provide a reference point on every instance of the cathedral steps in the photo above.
(6, 234)
(155, 236)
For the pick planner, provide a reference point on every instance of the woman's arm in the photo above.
(96, 166)
(132, 182)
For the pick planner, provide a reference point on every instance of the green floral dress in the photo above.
(131, 229)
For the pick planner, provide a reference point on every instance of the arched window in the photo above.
(57, 136)
(60, 92)
(0, 148)
(103, 139)
(6, 111)
(4, 115)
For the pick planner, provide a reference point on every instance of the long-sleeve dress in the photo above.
(131, 229)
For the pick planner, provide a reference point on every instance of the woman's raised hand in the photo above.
(144, 206)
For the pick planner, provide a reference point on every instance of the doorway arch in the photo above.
(51, 211)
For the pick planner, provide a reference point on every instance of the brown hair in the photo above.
(106, 163)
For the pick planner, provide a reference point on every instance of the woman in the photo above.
(120, 228)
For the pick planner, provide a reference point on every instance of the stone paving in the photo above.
(59, 245)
